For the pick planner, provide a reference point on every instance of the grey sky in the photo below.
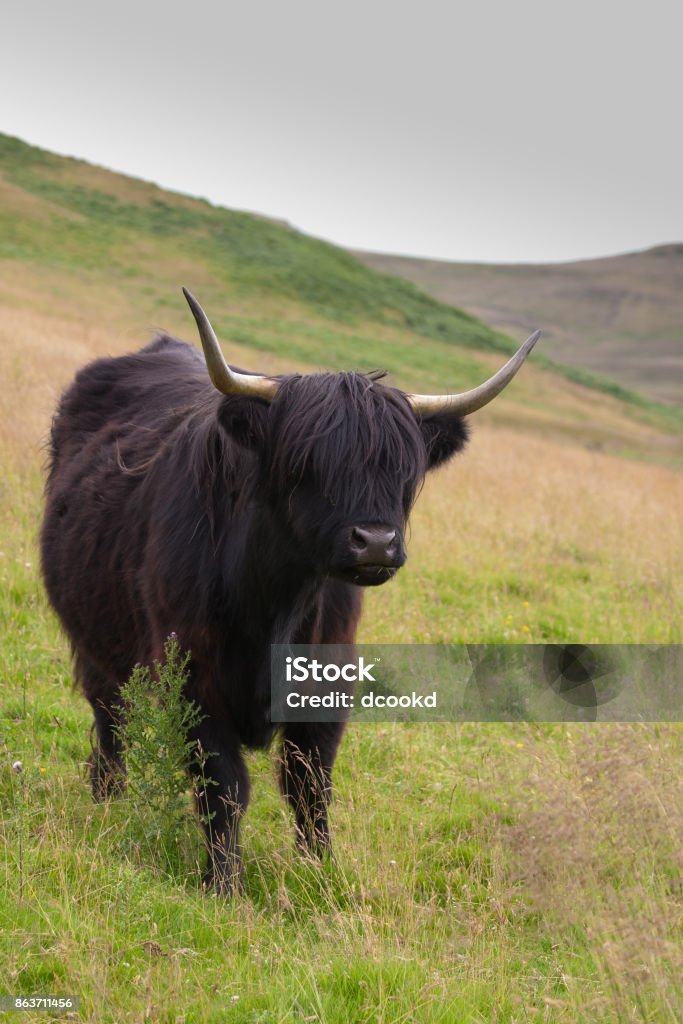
(478, 131)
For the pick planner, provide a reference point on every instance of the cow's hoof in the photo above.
(223, 883)
(106, 779)
(316, 846)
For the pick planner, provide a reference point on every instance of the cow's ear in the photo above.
(244, 419)
(445, 435)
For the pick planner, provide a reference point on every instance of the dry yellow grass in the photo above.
(530, 539)
(598, 847)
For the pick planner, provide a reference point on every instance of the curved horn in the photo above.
(227, 380)
(470, 401)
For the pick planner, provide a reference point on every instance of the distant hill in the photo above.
(621, 316)
(92, 262)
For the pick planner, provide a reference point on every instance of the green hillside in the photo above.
(70, 216)
(86, 218)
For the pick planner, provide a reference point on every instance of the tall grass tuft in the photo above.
(156, 720)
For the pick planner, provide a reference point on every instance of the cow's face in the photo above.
(341, 459)
(341, 456)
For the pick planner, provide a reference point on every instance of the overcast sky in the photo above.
(504, 131)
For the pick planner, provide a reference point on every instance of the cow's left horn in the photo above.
(469, 401)
(227, 380)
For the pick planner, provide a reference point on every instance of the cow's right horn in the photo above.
(227, 380)
(470, 401)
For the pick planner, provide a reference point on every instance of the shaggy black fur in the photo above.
(172, 508)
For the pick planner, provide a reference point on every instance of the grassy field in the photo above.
(621, 315)
(505, 873)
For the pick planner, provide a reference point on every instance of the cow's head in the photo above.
(343, 455)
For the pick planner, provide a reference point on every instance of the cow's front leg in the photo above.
(222, 793)
(308, 753)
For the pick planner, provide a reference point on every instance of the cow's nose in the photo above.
(373, 545)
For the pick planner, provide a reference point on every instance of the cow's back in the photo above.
(137, 389)
(110, 422)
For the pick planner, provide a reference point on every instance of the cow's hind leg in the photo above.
(106, 767)
(222, 793)
(308, 753)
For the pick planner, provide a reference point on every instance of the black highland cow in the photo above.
(236, 511)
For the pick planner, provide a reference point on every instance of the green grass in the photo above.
(451, 898)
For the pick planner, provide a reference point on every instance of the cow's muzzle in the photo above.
(373, 555)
